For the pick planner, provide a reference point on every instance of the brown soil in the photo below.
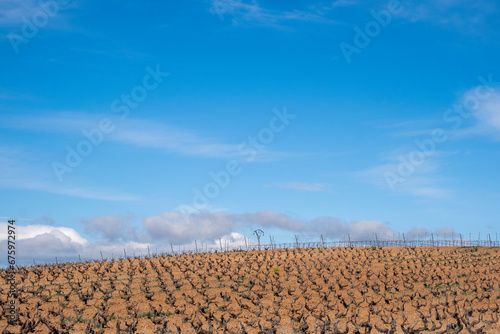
(336, 290)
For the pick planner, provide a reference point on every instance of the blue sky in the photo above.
(314, 117)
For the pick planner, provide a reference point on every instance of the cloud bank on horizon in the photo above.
(175, 122)
(175, 231)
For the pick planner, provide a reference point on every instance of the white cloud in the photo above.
(446, 232)
(230, 241)
(234, 239)
(357, 229)
(418, 233)
(115, 249)
(271, 219)
(110, 227)
(43, 243)
(298, 186)
(184, 228)
(64, 234)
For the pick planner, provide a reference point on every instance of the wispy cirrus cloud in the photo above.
(16, 13)
(18, 171)
(298, 186)
(251, 12)
(69, 122)
(13, 12)
(143, 133)
(8, 95)
(98, 193)
(402, 174)
(324, 7)
(414, 170)
(138, 133)
(485, 113)
(344, 3)
(466, 16)
(135, 132)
